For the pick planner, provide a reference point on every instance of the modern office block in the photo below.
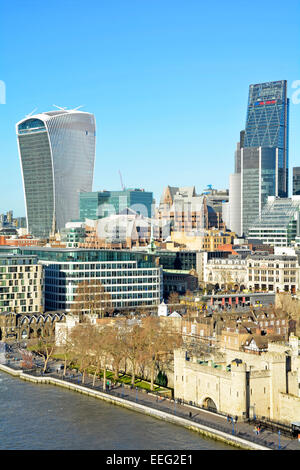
(132, 279)
(261, 157)
(279, 224)
(57, 153)
(267, 125)
(296, 181)
(99, 204)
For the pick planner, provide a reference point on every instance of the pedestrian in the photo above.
(190, 414)
(299, 437)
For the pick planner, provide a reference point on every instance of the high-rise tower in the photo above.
(264, 150)
(57, 155)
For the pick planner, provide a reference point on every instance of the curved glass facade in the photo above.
(57, 154)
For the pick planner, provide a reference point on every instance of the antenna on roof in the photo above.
(63, 109)
(78, 107)
(30, 114)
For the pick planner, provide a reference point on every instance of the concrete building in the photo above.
(235, 203)
(22, 283)
(273, 273)
(231, 271)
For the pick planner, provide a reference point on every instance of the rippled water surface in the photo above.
(36, 417)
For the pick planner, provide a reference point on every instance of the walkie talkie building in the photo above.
(57, 155)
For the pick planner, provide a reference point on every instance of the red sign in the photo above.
(211, 301)
(236, 300)
(229, 300)
(244, 300)
(223, 301)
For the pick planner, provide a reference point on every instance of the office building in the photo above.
(100, 204)
(264, 155)
(261, 157)
(132, 279)
(296, 181)
(57, 153)
(279, 223)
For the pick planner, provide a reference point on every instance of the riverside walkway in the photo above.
(209, 423)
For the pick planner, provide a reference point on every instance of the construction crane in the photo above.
(122, 185)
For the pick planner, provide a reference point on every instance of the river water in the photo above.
(45, 417)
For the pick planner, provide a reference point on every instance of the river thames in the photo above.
(44, 417)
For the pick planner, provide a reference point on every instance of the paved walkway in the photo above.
(241, 429)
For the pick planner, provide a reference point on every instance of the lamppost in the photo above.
(136, 393)
(174, 406)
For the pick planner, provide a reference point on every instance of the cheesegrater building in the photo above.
(264, 154)
(57, 155)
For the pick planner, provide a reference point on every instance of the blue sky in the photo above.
(166, 79)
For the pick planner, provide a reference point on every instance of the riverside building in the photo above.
(21, 283)
(132, 279)
(57, 154)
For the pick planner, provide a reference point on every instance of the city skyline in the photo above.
(161, 89)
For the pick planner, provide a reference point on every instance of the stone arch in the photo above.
(24, 332)
(209, 404)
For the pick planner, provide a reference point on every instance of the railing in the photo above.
(273, 426)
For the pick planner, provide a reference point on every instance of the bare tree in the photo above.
(92, 298)
(117, 339)
(82, 339)
(44, 347)
(160, 341)
(134, 347)
(173, 298)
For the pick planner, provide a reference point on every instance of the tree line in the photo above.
(138, 347)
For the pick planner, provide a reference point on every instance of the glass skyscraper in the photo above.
(263, 149)
(57, 154)
(99, 204)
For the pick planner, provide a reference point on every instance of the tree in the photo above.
(82, 337)
(91, 298)
(117, 344)
(134, 347)
(100, 349)
(160, 341)
(27, 359)
(44, 347)
(173, 298)
(64, 339)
